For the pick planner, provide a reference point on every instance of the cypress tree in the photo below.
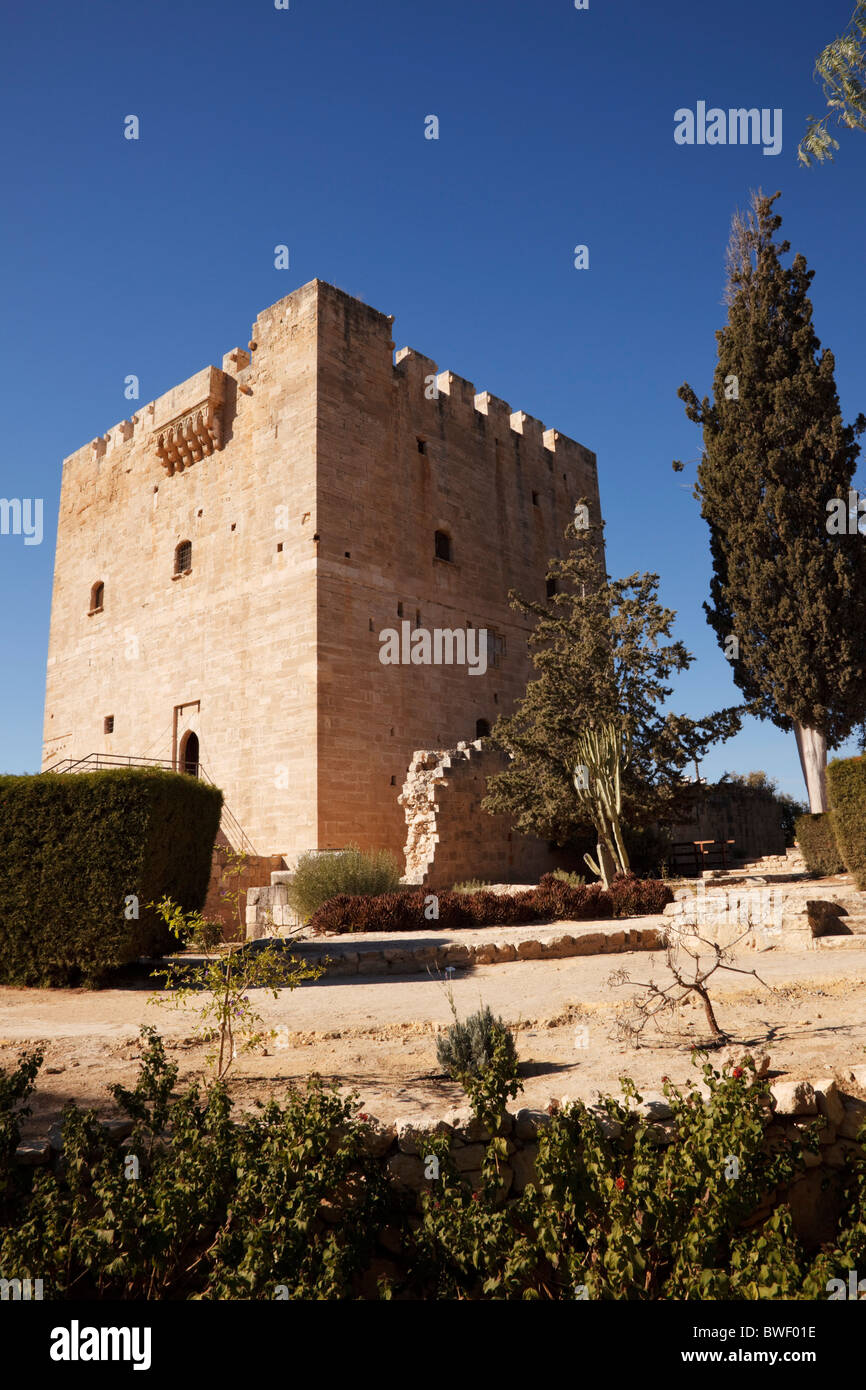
(789, 579)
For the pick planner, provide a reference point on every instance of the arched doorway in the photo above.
(189, 755)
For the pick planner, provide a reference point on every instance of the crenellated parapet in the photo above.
(482, 410)
(182, 426)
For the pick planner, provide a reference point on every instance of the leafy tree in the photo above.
(602, 656)
(841, 66)
(777, 459)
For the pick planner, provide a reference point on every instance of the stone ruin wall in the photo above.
(449, 837)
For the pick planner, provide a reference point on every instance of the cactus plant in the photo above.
(603, 755)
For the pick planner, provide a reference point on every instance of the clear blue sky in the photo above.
(306, 127)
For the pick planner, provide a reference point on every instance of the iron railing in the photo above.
(92, 762)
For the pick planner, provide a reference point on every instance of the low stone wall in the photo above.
(256, 871)
(397, 953)
(786, 913)
(814, 1201)
(730, 811)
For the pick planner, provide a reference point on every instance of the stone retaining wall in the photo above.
(394, 953)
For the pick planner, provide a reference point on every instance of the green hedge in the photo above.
(817, 840)
(846, 786)
(74, 848)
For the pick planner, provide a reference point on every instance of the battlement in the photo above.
(187, 423)
(184, 424)
(416, 371)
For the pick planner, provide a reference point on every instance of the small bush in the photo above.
(471, 885)
(468, 1048)
(816, 837)
(77, 850)
(573, 880)
(352, 871)
(846, 783)
(633, 897)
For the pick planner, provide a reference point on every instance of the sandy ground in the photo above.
(377, 1036)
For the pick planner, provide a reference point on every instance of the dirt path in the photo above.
(377, 1036)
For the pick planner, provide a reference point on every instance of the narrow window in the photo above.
(97, 595)
(108, 724)
(495, 648)
(551, 588)
(399, 610)
(422, 445)
(535, 499)
(183, 558)
(442, 542)
(482, 728)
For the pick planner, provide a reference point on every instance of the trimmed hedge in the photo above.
(552, 900)
(816, 837)
(74, 847)
(846, 785)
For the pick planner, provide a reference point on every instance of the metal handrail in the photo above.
(95, 760)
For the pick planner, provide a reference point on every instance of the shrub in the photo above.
(471, 885)
(553, 900)
(816, 837)
(846, 784)
(355, 872)
(289, 1202)
(75, 853)
(573, 880)
(633, 897)
(468, 1048)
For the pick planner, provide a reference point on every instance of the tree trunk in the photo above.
(812, 747)
(606, 863)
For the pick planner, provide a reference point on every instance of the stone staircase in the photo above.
(774, 903)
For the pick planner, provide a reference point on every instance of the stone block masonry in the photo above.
(255, 529)
(449, 838)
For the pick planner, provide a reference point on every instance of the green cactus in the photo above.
(597, 778)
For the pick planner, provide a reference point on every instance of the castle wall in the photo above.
(233, 641)
(449, 839)
(381, 500)
(310, 475)
(727, 811)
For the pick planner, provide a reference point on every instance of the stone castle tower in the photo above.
(228, 558)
